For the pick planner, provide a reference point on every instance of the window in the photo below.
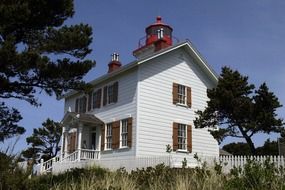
(124, 133)
(97, 98)
(181, 94)
(182, 143)
(80, 104)
(109, 136)
(110, 94)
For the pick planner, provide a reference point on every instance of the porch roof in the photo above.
(81, 117)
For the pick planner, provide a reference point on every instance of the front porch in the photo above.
(80, 141)
(81, 137)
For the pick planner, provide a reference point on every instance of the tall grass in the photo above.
(254, 176)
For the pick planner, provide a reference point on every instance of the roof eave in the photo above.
(211, 73)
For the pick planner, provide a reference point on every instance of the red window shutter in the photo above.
(89, 101)
(115, 91)
(189, 138)
(175, 136)
(115, 135)
(175, 93)
(77, 105)
(102, 138)
(189, 97)
(105, 94)
(130, 120)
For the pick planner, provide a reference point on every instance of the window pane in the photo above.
(124, 132)
(109, 136)
(181, 94)
(110, 94)
(182, 136)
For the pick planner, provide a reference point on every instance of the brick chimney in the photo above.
(114, 63)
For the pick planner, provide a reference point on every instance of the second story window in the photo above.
(97, 98)
(80, 104)
(181, 94)
(110, 94)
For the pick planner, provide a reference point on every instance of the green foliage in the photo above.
(184, 163)
(44, 141)
(168, 148)
(8, 122)
(257, 176)
(38, 52)
(254, 176)
(269, 148)
(240, 148)
(239, 110)
(11, 176)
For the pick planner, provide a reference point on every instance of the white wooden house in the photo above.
(136, 110)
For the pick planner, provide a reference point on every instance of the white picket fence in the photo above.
(229, 162)
(132, 163)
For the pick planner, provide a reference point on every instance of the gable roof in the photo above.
(186, 45)
(81, 117)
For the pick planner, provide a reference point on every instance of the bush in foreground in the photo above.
(254, 176)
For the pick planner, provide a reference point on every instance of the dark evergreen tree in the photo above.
(268, 148)
(238, 110)
(239, 148)
(44, 142)
(38, 52)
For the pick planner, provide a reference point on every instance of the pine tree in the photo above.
(238, 110)
(38, 52)
(44, 142)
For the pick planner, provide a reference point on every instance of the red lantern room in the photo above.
(158, 31)
(158, 36)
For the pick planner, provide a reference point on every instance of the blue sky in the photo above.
(245, 35)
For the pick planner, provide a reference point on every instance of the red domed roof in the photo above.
(158, 23)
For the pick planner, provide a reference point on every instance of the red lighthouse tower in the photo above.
(158, 36)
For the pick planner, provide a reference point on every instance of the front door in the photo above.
(93, 140)
(71, 142)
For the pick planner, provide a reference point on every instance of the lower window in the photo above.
(109, 136)
(124, 133)
(182, 141)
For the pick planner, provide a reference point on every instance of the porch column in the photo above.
(62, 143)
(79, 140)
(66, 141)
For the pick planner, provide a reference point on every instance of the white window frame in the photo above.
(182, 94)
(182, 137)
(108, 137)
(124, 133)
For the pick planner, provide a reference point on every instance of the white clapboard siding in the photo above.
(124, 108)
(157, 112)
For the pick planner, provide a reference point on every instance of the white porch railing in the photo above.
(47, 165)
(87, 154)
(71, 157)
